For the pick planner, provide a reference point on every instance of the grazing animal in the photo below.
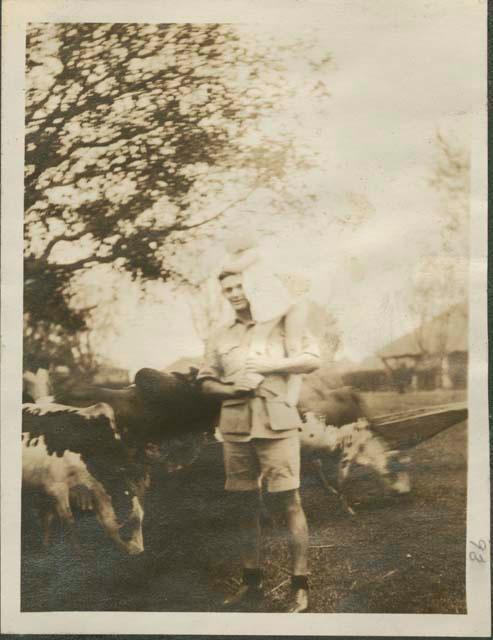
(337, 433)
(158, 407)
(64, 447)
(350, 445)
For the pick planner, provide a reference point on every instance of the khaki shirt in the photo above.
(266, 415)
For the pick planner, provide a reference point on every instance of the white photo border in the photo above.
(17, 14)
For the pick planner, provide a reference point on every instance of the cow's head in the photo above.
(173, 404)
(361, 446)
(130, 536)
(397, 478)
(124, 516)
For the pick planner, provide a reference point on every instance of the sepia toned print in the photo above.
(247, 316)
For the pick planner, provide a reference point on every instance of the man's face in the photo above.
(232, 287)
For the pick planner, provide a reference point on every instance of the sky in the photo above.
(400, 72)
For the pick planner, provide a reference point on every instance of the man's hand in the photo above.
(246, 384)
(222, 391)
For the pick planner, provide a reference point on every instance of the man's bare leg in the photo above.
(289, 505)
(250, 593)
(250, 535)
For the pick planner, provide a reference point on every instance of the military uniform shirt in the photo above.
(267, 414)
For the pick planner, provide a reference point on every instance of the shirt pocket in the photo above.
(231, 356)
(282, 417)
(235, 416)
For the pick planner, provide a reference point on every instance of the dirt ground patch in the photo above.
(397, 555)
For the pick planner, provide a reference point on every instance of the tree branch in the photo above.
(216, 215)
(63, 238)
(84, 263)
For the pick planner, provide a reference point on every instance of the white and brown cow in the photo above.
(66, 447)
(353, 444)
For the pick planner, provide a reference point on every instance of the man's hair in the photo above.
(224, 274)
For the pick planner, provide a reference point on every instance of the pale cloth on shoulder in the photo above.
(269, 298)
(271, 294)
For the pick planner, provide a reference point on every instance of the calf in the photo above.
(353, 444)
(64, 447)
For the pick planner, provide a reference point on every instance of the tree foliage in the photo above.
(441, 277)
(137, 137)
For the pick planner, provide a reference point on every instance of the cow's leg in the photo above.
(318, 464)
(66, 516)
(45, 508)
(342, 476)
(47, 516)
(81, 497)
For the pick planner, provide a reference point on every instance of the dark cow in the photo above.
(158, 407)
(65, 447)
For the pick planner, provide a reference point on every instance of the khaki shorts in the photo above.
(275, 462)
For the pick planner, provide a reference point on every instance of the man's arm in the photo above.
(210, 374)
(304, 363)
(223, 391)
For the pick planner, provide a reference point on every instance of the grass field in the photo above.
(397, 555)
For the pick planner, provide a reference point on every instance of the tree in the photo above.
(208, 307)
(441, 278)
(48, 344)
(133, 134)
(451, 180)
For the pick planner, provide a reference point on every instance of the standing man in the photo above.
(260, 433)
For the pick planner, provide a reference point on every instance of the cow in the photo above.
(65, 447)
(346, 446)
(338, 433)
(158, 407)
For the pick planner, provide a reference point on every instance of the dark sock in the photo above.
(299, 582)
(253, 577)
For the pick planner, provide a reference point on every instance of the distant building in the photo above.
(434, 355)
(368, 375)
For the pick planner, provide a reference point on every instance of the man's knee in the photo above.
(246, 501)
(287, 502)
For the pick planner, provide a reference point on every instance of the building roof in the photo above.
(446, 332)
(371, 363)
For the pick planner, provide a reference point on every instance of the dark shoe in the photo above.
(298, 602)
(246, 598)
